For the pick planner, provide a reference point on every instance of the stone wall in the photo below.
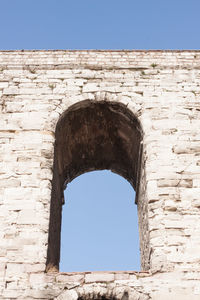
(162, 90)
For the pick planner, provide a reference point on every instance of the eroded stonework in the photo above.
(160, 90)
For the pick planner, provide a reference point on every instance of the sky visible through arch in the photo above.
(105, 24)
(100, 227)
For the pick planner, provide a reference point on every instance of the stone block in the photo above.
(37, 279)
(99, 277)
(27, 216)
(65, 278)
(13, 269)
(35, 268)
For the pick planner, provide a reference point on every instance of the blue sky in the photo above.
(95, 24)
(99, 216)
(100, 228)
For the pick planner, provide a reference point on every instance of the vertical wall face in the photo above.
(39, 90)
(143, 215)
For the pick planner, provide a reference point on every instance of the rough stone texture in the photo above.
(161, 91)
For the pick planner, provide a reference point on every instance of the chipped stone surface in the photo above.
(161, 89)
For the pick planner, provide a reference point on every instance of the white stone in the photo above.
(161, 89)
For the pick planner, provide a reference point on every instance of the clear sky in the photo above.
(100, 228)
(99, 218)
(100, 24)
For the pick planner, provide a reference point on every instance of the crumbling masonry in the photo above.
(63, 113)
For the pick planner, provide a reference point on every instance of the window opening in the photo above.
(93, 136)
(99, 224)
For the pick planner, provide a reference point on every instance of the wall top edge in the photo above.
(102, 50)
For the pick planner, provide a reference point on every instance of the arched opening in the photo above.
(99, 224)
(91, 136)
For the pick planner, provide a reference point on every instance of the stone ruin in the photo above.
(63, 113)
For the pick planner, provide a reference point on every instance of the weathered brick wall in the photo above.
(162, 89)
